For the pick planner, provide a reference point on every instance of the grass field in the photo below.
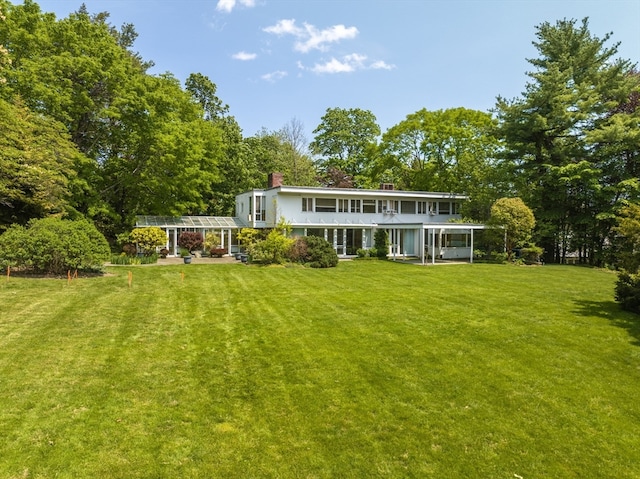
(371, 369)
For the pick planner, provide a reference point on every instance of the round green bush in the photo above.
(54, 246)
(628, 291)
(314, 251)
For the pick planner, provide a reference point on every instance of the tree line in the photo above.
(86, 131)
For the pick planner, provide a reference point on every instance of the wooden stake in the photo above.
(130, 278)
(8, 272)
(68, 277)
(182, 276)
(75, 275)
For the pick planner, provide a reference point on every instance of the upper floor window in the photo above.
(444, 208)
(343, 205)
(355, 206)
(325, 205)
(307, 204)
(260, 208)
(422, 208)
(387, 206)
(408, 207)
(368, 206)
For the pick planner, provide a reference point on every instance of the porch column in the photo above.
(176, 250)
(229, 242)
(471, 258)
(344, 241)
(423, 233)
(433, 246)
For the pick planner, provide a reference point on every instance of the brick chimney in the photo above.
(386, 186)
(274, 180)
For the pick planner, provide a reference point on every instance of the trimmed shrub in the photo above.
(314, 251)
(628, 291)
(531, 254)
(148, 239)
(123, 259)
(298, 252)
(275, 249)
(14, 248)
(54, 246)
(364, 253)
(381, 243)
(129, 249)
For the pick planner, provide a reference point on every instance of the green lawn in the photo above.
(371, 369)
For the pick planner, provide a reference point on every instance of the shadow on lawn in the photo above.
(611, 310)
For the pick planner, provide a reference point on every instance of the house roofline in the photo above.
(359, 192)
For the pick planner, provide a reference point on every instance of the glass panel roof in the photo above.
(189, 221)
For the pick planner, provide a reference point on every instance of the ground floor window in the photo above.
(315, 232)
(346, 241)
(456, 240)
(403, 241)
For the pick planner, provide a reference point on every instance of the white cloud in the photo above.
(333, 66)
(318, 38)
(285, 27)
(309, 37)
(274, 76)
(380, 65)
(228, 5)
(244, 56)
(347, 64)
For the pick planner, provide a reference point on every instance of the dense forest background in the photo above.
(86, 131)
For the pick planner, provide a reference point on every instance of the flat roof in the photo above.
(213, 222)
(317, 190)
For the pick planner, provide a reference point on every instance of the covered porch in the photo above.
(448, 241)
(429, 242)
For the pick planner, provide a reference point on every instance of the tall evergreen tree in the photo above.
(555, 138)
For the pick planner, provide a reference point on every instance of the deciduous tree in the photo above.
(446, 150)
(38, 164)
(516, 220)
(343, 139)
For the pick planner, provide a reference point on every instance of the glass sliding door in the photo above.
(354, 240)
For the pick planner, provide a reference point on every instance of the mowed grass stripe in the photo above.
(370, 369)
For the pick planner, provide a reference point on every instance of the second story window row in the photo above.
(410, 207)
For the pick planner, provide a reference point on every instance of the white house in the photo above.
(418, 222)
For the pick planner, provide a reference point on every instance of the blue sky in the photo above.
(275, 60)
